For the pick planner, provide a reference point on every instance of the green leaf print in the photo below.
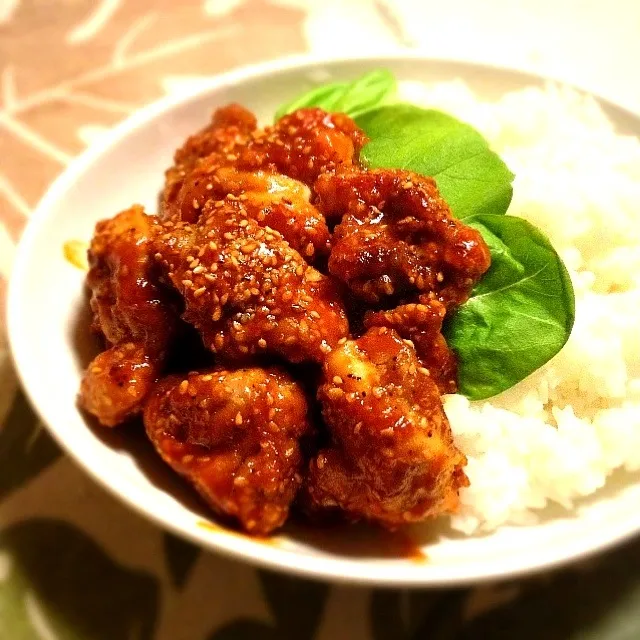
(296, 607)
(57, 582)
(181, 557)
(25, 447)
(599, 603)
(416, 615)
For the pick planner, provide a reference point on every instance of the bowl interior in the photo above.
(48, 327)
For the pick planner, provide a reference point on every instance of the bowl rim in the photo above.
(231, 544)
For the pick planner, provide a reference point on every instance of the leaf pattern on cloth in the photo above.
(181, 556)
(296, 607)
(413, 615)
(25, 447)
(60, 584)
(601, 602)
(68, 66)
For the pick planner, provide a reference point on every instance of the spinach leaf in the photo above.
(369, 91)
(471, 178)
(519, 315)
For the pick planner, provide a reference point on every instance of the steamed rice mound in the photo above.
(558, 434)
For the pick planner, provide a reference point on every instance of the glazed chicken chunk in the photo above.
(272, 199)
(230, 127)
(132, 312)
(302, 146)
(235, 435)
(422, 324)
(397, 237)
(392, 458)
(247, 291)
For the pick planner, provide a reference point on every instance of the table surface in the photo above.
(75, 563)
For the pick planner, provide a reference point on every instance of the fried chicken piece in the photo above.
(304, 145)
(272, 168)
(422, 324)
(247, 291)
(235, 435)
(397, 236)
(392, 458)
(117, 382)
(230, 127)
(131, 311)
(274, 200)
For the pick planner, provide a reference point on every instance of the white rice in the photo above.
(558, 435)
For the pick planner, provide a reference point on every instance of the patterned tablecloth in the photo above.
(74, 563)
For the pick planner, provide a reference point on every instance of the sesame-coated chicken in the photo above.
(269, 242)
(230, 127)
(397, 236)
(272, 199)
(246, 290)
(392, 458)
(235, 435)
(422, 324)
(132, 312)
(302, 145)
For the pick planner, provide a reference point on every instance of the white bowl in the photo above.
(48, 330)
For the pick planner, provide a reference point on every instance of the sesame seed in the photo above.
(262, 343)
(198, 292)
(337, 380)
(342, 340)
(248, 247)
(238, 419)
(184, 385)
(424, 371)
(357, 428)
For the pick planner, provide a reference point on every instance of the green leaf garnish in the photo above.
(471, 178)
(371, 90)
(518, 316)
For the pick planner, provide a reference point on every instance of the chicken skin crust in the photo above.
(422, 324)
(392, 458)
(397, 237)
(235, 436)
(302, 146)
(132, 312)
(230, 127)
(247, 291)
(272, 199)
